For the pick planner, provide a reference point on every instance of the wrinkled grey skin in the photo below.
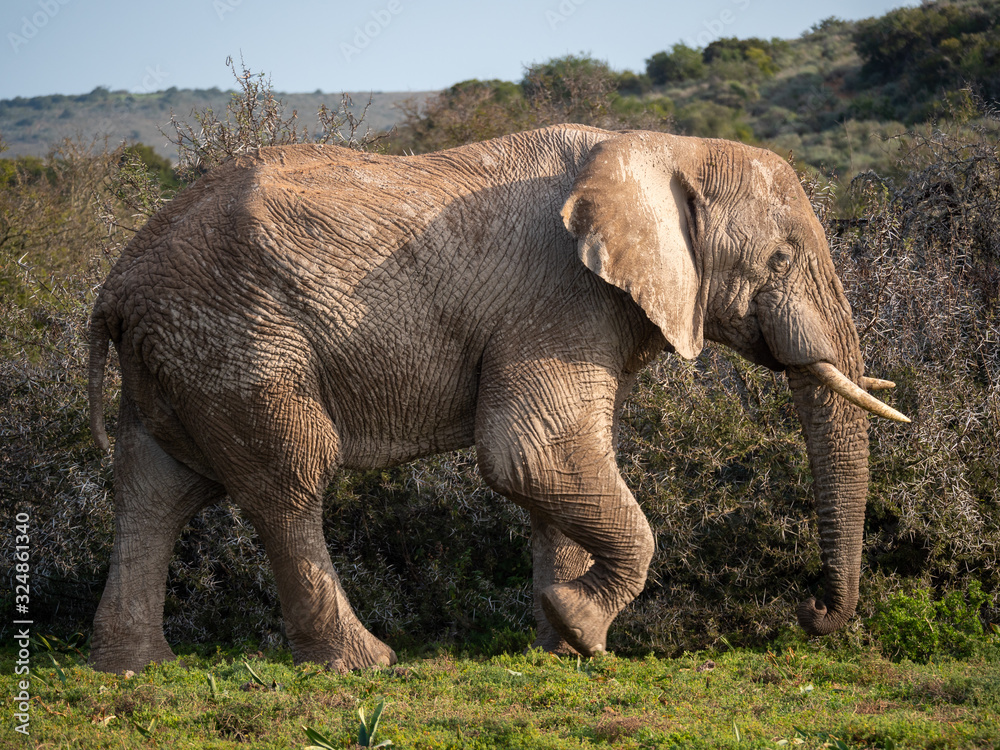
(308, 308)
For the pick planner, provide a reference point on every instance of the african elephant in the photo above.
(308, 308)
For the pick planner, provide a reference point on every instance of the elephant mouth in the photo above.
(760, 354)
(828, 375)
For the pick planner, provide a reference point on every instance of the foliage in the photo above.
(49, 263)
(796, 694)
(913, 626)
(682, 63)
(577, 83)
(159, 167)
(567, 89)
(718, 119)
(44, 219)
(464, 113)
(757, 55)
(934, 46)
(922, 270)
(629, 83)
(369, 726)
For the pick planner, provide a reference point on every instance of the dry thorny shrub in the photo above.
(47, 466)
(255, 117)
(711, 448)
(924, 276)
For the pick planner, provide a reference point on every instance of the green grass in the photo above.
(800, 695)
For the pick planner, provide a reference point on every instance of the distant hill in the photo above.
(833, 99)
(30, 127)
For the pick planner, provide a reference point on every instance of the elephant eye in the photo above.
(780, 262)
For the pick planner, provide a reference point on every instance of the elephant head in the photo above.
(716, 240)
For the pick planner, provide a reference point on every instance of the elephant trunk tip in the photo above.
(816, 619)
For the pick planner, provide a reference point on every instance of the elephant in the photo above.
(303, 309)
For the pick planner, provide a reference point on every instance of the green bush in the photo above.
(708, 119)
(566, 89)
(571, 81)
(913, 626)
(682, 63)
(933, 47)
(757, 57)
(629, 83)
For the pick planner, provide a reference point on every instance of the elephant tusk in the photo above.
(876, 384)
(836, 381)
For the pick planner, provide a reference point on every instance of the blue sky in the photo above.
(72, 46)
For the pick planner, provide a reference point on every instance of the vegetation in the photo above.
(920, 53)
(832, 98)
(795, 694)
(711, 448)
(568, 89)
(682, 63)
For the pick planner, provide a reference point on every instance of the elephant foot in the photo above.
(360, 652)
(122, 655)
(576, 617)
(550, 641)
(562, 648)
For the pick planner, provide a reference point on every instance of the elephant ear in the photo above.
(633, 210)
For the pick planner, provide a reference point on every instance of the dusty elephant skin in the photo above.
(308, 308)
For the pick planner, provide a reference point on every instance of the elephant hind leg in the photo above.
(320, 623)
(279, 482)
(155, 496)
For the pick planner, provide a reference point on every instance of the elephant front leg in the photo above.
(555, 559)
(619, 539)
(544, 440)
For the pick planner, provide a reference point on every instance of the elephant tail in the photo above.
(99, 337)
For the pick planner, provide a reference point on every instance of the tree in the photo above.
(759, 53)
(934, 46)
(682, 63)
(572, 82)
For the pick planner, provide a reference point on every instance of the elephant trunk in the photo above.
(836, 433)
